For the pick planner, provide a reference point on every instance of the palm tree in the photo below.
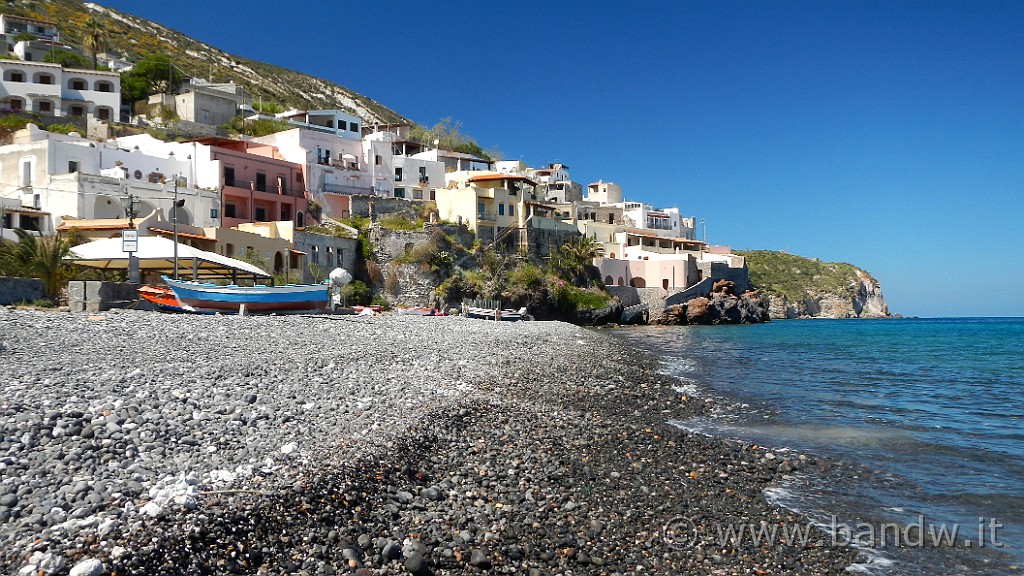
(35, 257)
(572, 259)
(95, 38)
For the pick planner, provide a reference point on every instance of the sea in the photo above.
(916, 425)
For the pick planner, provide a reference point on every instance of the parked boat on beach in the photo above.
(162, 297)
(201, 296)
(491, 310)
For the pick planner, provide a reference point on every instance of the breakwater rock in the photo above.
(721, 306)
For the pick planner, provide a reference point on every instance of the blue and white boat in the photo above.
(205, 297)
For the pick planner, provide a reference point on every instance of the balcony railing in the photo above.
(486, 216)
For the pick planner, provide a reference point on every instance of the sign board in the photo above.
(129, 240)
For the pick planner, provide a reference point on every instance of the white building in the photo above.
(69, 177)
(333, 122)
(663, 221)
(603, 192)
(50, 89)
(411, 177)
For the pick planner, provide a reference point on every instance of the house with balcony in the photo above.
(456, 161)
(412, 177)
(502, 209)
(53, 90)
(257, 185)
(335, 122)
(29, 39)
(332, 167)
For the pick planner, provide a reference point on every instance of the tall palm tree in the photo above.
(95, 37)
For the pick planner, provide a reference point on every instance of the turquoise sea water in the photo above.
(923, 419)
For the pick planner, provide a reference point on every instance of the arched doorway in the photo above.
(637, 282)
(278, 263)
(608, 281)
(300, 220)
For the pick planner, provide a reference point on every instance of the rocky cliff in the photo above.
(800, 287)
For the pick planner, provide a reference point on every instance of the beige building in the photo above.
(501, 208)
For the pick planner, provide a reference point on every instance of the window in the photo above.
(76, 111)
(26, 171)
(138, 174)
(354, 127)
(104, 86)
(261, 214)
(229, 210)
(16, 76)
(44, 79)
(155, 178)
(300, 219)
(480, 209)
(378, 160)
(72, 166)
(315, 255)
(213, 213)
(261, 182)
(501, 209)
(229, 249)
(417, 194)
(398, 174)
(282, 187)
(229, 176)
(511, 209)
(103, 113)
(17, 104)
(341, 256)
(423, 174)
(286, 212)
(45, 106)
(399, 192)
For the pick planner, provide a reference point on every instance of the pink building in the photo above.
(256, 184)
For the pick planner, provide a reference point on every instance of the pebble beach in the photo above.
(144, 443)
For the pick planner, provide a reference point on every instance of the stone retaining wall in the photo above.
(96, 296)
(16, 290)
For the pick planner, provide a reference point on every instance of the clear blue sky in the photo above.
(885, 134)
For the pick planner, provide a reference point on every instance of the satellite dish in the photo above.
(340, 277)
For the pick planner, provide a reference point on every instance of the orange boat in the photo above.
(162, 296)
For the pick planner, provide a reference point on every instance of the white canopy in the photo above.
(156, 254)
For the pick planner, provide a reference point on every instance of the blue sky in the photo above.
(885, 134)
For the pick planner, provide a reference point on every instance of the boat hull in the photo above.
(210, 297)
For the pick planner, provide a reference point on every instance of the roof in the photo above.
(24, 210)
(492, 176)
(182, 234)
(156, 254)
(644, 234)
(99, 224)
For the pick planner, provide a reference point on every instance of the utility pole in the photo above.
(130, 240)
(174, 219)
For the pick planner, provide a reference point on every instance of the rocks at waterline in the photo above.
(721, 306)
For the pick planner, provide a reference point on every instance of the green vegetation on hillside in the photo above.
(796, 277)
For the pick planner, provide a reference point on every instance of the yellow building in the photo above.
(492, 204)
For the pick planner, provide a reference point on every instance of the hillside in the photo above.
(800, 287)
(136, 37)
